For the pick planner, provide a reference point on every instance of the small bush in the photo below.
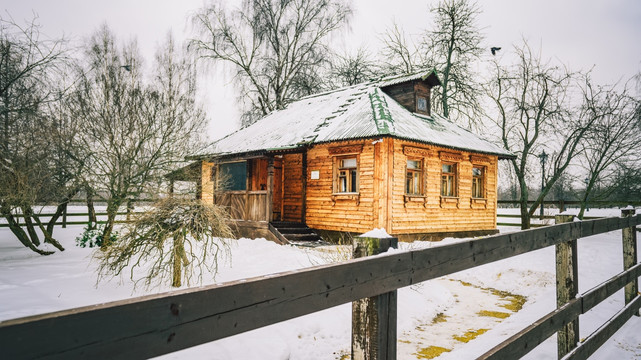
(93, 237)
(173, 240)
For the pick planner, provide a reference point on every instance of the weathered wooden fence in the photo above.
(532, 225)
(159, 324)
(64, 218)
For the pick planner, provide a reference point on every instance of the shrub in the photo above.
(172, 240)
(93, 237)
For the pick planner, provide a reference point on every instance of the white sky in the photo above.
(583, 34)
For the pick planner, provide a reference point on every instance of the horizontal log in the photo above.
(599, 337)
(527, 339)
(608, 288)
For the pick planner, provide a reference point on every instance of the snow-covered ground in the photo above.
(461, 315)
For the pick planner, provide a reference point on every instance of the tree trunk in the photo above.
(20, 234)
(90, 209)
(27, 212)
(112, 211)
(48, 236)
(525, 215)
(179, 252)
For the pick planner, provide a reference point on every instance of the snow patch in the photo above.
(377, 233)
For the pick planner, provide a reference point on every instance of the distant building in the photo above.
(347, 161)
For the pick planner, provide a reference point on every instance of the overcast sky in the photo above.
(583, 34)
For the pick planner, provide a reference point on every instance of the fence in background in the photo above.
(159, 324)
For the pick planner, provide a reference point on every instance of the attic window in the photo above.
(422, 104)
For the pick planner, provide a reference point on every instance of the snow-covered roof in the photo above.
(354, 112)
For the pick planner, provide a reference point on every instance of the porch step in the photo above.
(302, 237)
(294, 232)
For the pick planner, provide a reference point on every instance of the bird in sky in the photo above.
(494, 49)
(128, 67)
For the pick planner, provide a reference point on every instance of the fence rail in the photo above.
(532, 225)
(64, 222)
(159, 324)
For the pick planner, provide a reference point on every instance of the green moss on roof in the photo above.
(382, 116)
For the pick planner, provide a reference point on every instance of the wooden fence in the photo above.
(159, 324)
(64, 222)
(532, 225)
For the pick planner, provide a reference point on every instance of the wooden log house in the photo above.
(353, 159)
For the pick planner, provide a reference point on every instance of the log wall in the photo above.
(340, 212)
(292, 180)
(433, 213)
(206, 187)
(381, 200)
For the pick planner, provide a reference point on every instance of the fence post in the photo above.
(374, 318)
(629, 236)
(567, 287)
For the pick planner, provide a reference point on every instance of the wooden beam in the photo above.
(303, 214)
(389, 194)
(629, 238)
(592, 343)
(269, 199)
(527, 339)
(374, 318)
(567, 287)
(608, 288)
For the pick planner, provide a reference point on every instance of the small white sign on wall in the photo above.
(315, 175)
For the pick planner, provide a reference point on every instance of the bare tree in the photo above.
(137, 133)
(613, 139)
(533, 102)
(32, 165)
(400, 54)
(352, 69)
(452, 47)
(274, 47)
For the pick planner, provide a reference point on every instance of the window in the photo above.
(448, 180)
(478, 190)
(421, 104)
(234, 175)
(414, 178)
(347, 175)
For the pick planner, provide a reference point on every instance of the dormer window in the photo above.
(421, 104)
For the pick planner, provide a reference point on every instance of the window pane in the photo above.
(348, 163)
(447, 168)
(477, 171)
(342, 182)
(421, 103)
(353, 181)
(234, 175)
(413, 164)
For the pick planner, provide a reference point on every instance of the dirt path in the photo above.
(482, 307)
